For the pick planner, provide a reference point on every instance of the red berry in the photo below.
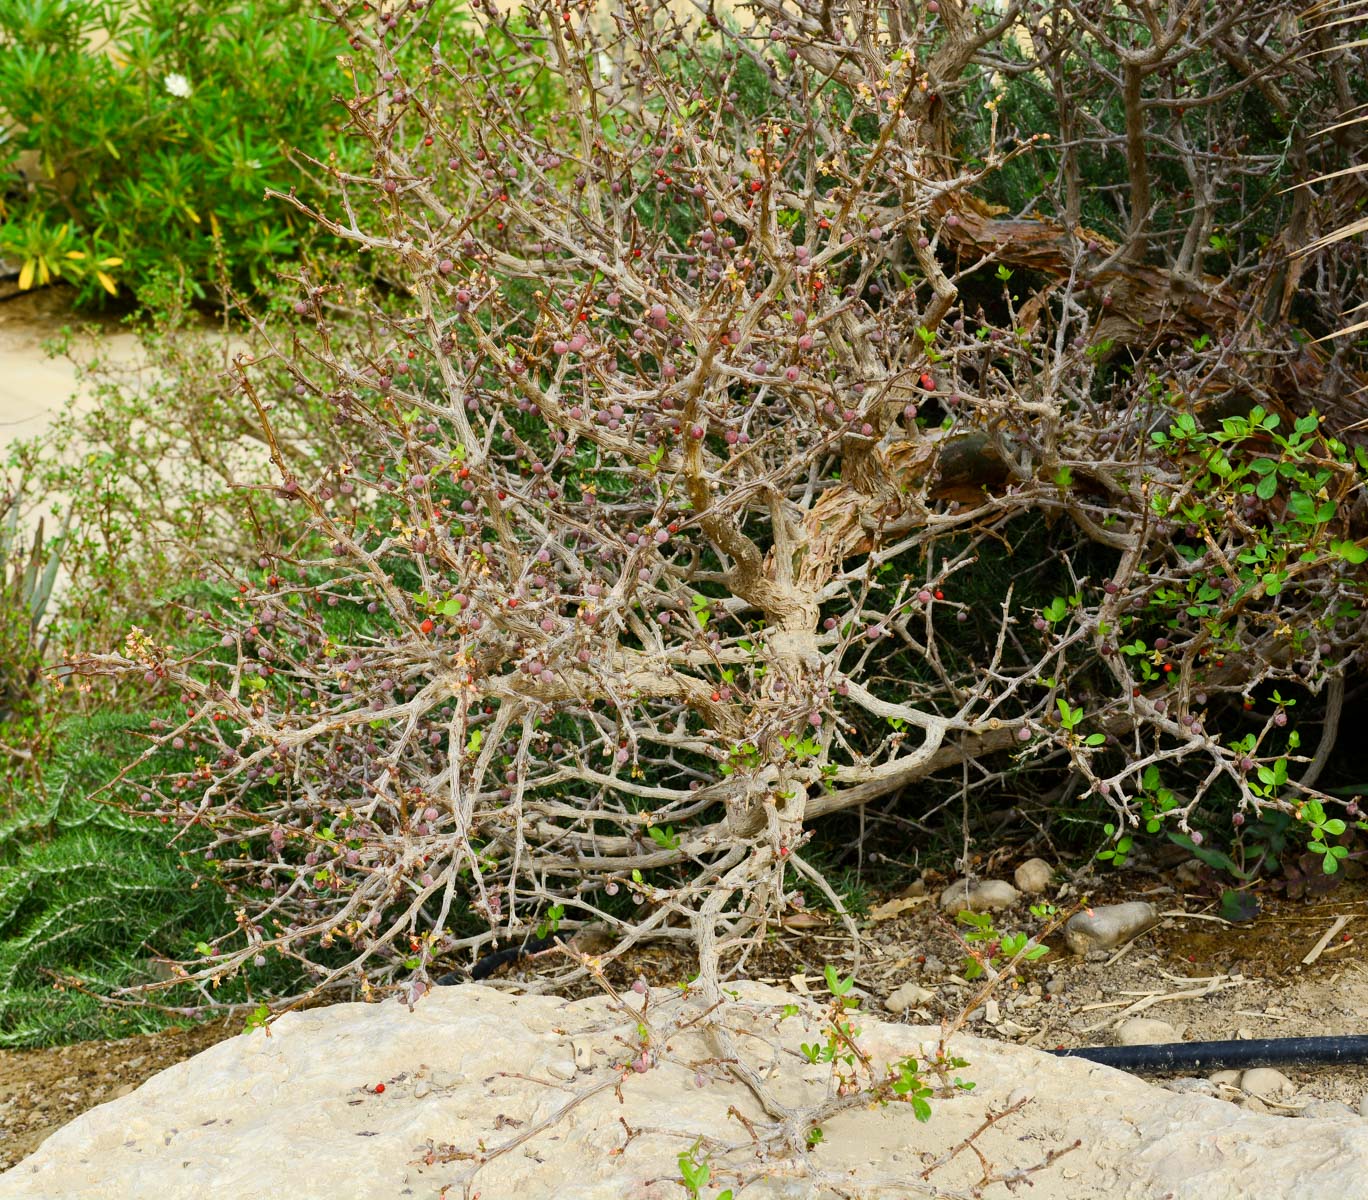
(427, 626)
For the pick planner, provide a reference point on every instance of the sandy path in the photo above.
(34, 386)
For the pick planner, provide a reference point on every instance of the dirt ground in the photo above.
(1251, 977)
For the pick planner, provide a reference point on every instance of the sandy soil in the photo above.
(33, 385)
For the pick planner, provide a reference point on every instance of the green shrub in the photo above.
(147, 134)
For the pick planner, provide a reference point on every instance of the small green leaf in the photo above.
(1238, 907)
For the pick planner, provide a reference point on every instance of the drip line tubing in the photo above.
(1204, 1056)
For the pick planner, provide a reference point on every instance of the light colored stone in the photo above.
(1033, 876)
(1226, 1078)
(910, 995)
(297, 1114)
(984, 895)
(1190, 1085)
(1327, 1110)
(1145, 1031)
(561, 1067)
(1108, 925)
(584, 1054)
(1266, 1083)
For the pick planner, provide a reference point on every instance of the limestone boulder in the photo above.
(531, 1097)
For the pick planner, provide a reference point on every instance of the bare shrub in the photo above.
(716, 461)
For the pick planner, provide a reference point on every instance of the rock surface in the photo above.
(1108, 925)
(472, 1094)
(1327, 1110)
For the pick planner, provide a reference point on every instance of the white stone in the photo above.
(1190, 1085)
(1266, 1083)
(1327, 1110)
(910, 995)
(1145, 1031)
(1108, 925)
(297, 1114)
(584, 1054)
(985, 895)
(1033, 876)
(561, 1068)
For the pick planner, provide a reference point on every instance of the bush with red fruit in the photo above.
(699, 483)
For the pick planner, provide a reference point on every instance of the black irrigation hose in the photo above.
(1259, 1052)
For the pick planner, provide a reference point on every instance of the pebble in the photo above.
(1189, 873)
(910, 995)
(1033, 876)
(1229, 1078)
(988, 895)
(1190, 1085)
(421, 1088)
(1145, 1031)
(1254, 1104)
(1108, 925)
(561, 1068)
(1326, 1110)
(1266, 1083)
(583, 1053)
(1054, 986)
